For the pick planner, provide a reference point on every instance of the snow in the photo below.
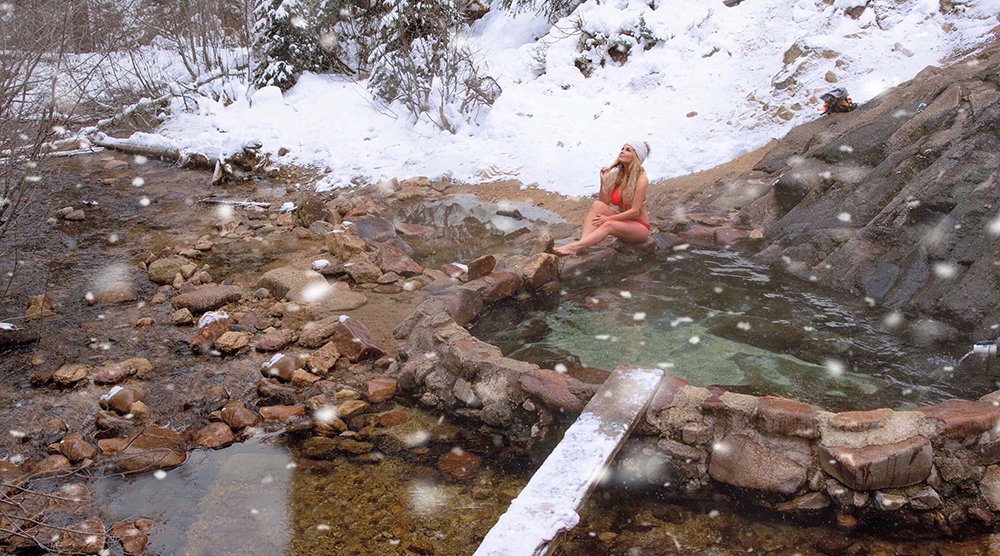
(704, 94)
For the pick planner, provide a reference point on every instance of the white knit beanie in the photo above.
(641, 149)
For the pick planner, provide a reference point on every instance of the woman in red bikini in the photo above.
(620, 209)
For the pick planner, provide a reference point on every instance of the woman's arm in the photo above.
(602, 195)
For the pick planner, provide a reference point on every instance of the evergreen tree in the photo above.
(286, 40)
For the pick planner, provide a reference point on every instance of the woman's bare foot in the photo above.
(564, 250)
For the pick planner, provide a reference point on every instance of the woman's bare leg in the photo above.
(596, 209)
(630, 231)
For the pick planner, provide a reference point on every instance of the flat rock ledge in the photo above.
(935, 469)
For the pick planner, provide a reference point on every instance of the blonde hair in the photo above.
(623, 176)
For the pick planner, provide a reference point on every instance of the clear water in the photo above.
(717, 318)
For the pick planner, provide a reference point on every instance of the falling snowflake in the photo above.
(325, 414)
(994, 226)
(844, 217)
(870, 301)
(625, 294)
(743, 325)
(225, 213)
(560, 368)
(845, 149)
(680, 320)
(89, 296)
(316, 291)
(139, 159)
(602, 337)
(694, 340)
(160, 474)
(665, 365)
(322, 527)
(144, 201)
(18, 434)
(834, 368)
(892, 319)
(682, 247)
(713, 514)
(639, 316)
(138, 181)
(113, 238)
(717, 289)
(945, 270)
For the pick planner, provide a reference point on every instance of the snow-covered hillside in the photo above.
(701, 82)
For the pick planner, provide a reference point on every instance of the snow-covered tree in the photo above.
(287, 41)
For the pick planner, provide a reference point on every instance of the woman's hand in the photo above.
(605, 170)
(600, 219)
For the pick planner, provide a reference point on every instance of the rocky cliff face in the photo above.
(897, 201)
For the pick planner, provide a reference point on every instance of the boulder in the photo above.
(207, 298)
(283, 280)
(552, 388)
(786, 417)
(740, 461)
(116, 292)
(390, 258)
(355, 341)
(117, 372)
(152, 448)
(232, 342)
(381, 388)
(214, 436)
(163, 271)
(238, 417)
(875, 467)
(500, 285)
(70, 374)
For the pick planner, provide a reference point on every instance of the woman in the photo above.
(620, 209)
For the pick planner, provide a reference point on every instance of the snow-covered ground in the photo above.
(702, 95)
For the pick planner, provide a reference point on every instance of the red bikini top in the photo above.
(616, 198)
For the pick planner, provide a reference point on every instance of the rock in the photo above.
(989, 486)
(39, 307)
(925, 498)
(665, 394)
(806, 502)
(302, 377)
(391, 258)
(459, 464)
(324, 358)
(181, 317)
(70, 374)
(110, 421)
(416, 230)
(76, 449)
(282, 367)
(281, 412)
(163, 271)
(859, 421)
(482, 266)
(316, 333)
(500, 285)
(153, 448)
(355, 341)
(75, 216)
(463, 305)
(275, 341)
(350, 408)
(16, 336)
(232, 342)
(697, 433)
(238, 417)
(876, 467)
(138, 410)
(117, 372)
(144, 322)
(206, 336)
(214, 436)
(120, 399)
(344, 243)
(283, 280)
(207, 298)
(133, 535)
(392, 418)
(82, 537)
(552, 388)
(738, 460)
(889, 502)
(335, 297)
(319, 447)
(273, 392)
(51, 464)
(112, 445)
(963, 418)
(388, 278)
(455, 271)
(786, 417)
(116, 292)
(381, 389)
(361, 270)
(539, 269)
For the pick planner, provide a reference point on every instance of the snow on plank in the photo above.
(548, 504)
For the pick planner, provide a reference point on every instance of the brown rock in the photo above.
(275, 341)
(75, 215)
(963, 418)
(117, 372)
(232, 342)
(738, 460)
(153, 448)
(482, 266)
(302, 377)
(807, 502)
(111, 421)
(112, 445)
(319, 447)
(144, 322)
(283, 280)
(117, 292)
(857, 421)
(900, 464)
(316, 333)
(238, 417)
(70, 374)
(698, 234)
(391, 258)
(344, 243)
(131, 535)
(76, 449)
(664, 397)
(455, 271)
(539, 269)
(725, 235)
(355, 341)
(282, 367)
(207, 298)
(39, 307)
(552, 388)
(381, 388)
(392, 418)
(51, 464)
(214, 436)
(349, 408)
(786, 417)
(82, 537)
(163, 271)
(281, 412)
(388, 278)
(138, 410)
(324, 358)
(500, 285)
(459, 464)
(120, 399)
(206, 335)
(181, 317)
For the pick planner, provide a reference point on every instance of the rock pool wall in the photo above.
(935, 468)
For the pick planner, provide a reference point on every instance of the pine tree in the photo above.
(286, 41)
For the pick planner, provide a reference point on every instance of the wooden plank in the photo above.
(548, 504)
